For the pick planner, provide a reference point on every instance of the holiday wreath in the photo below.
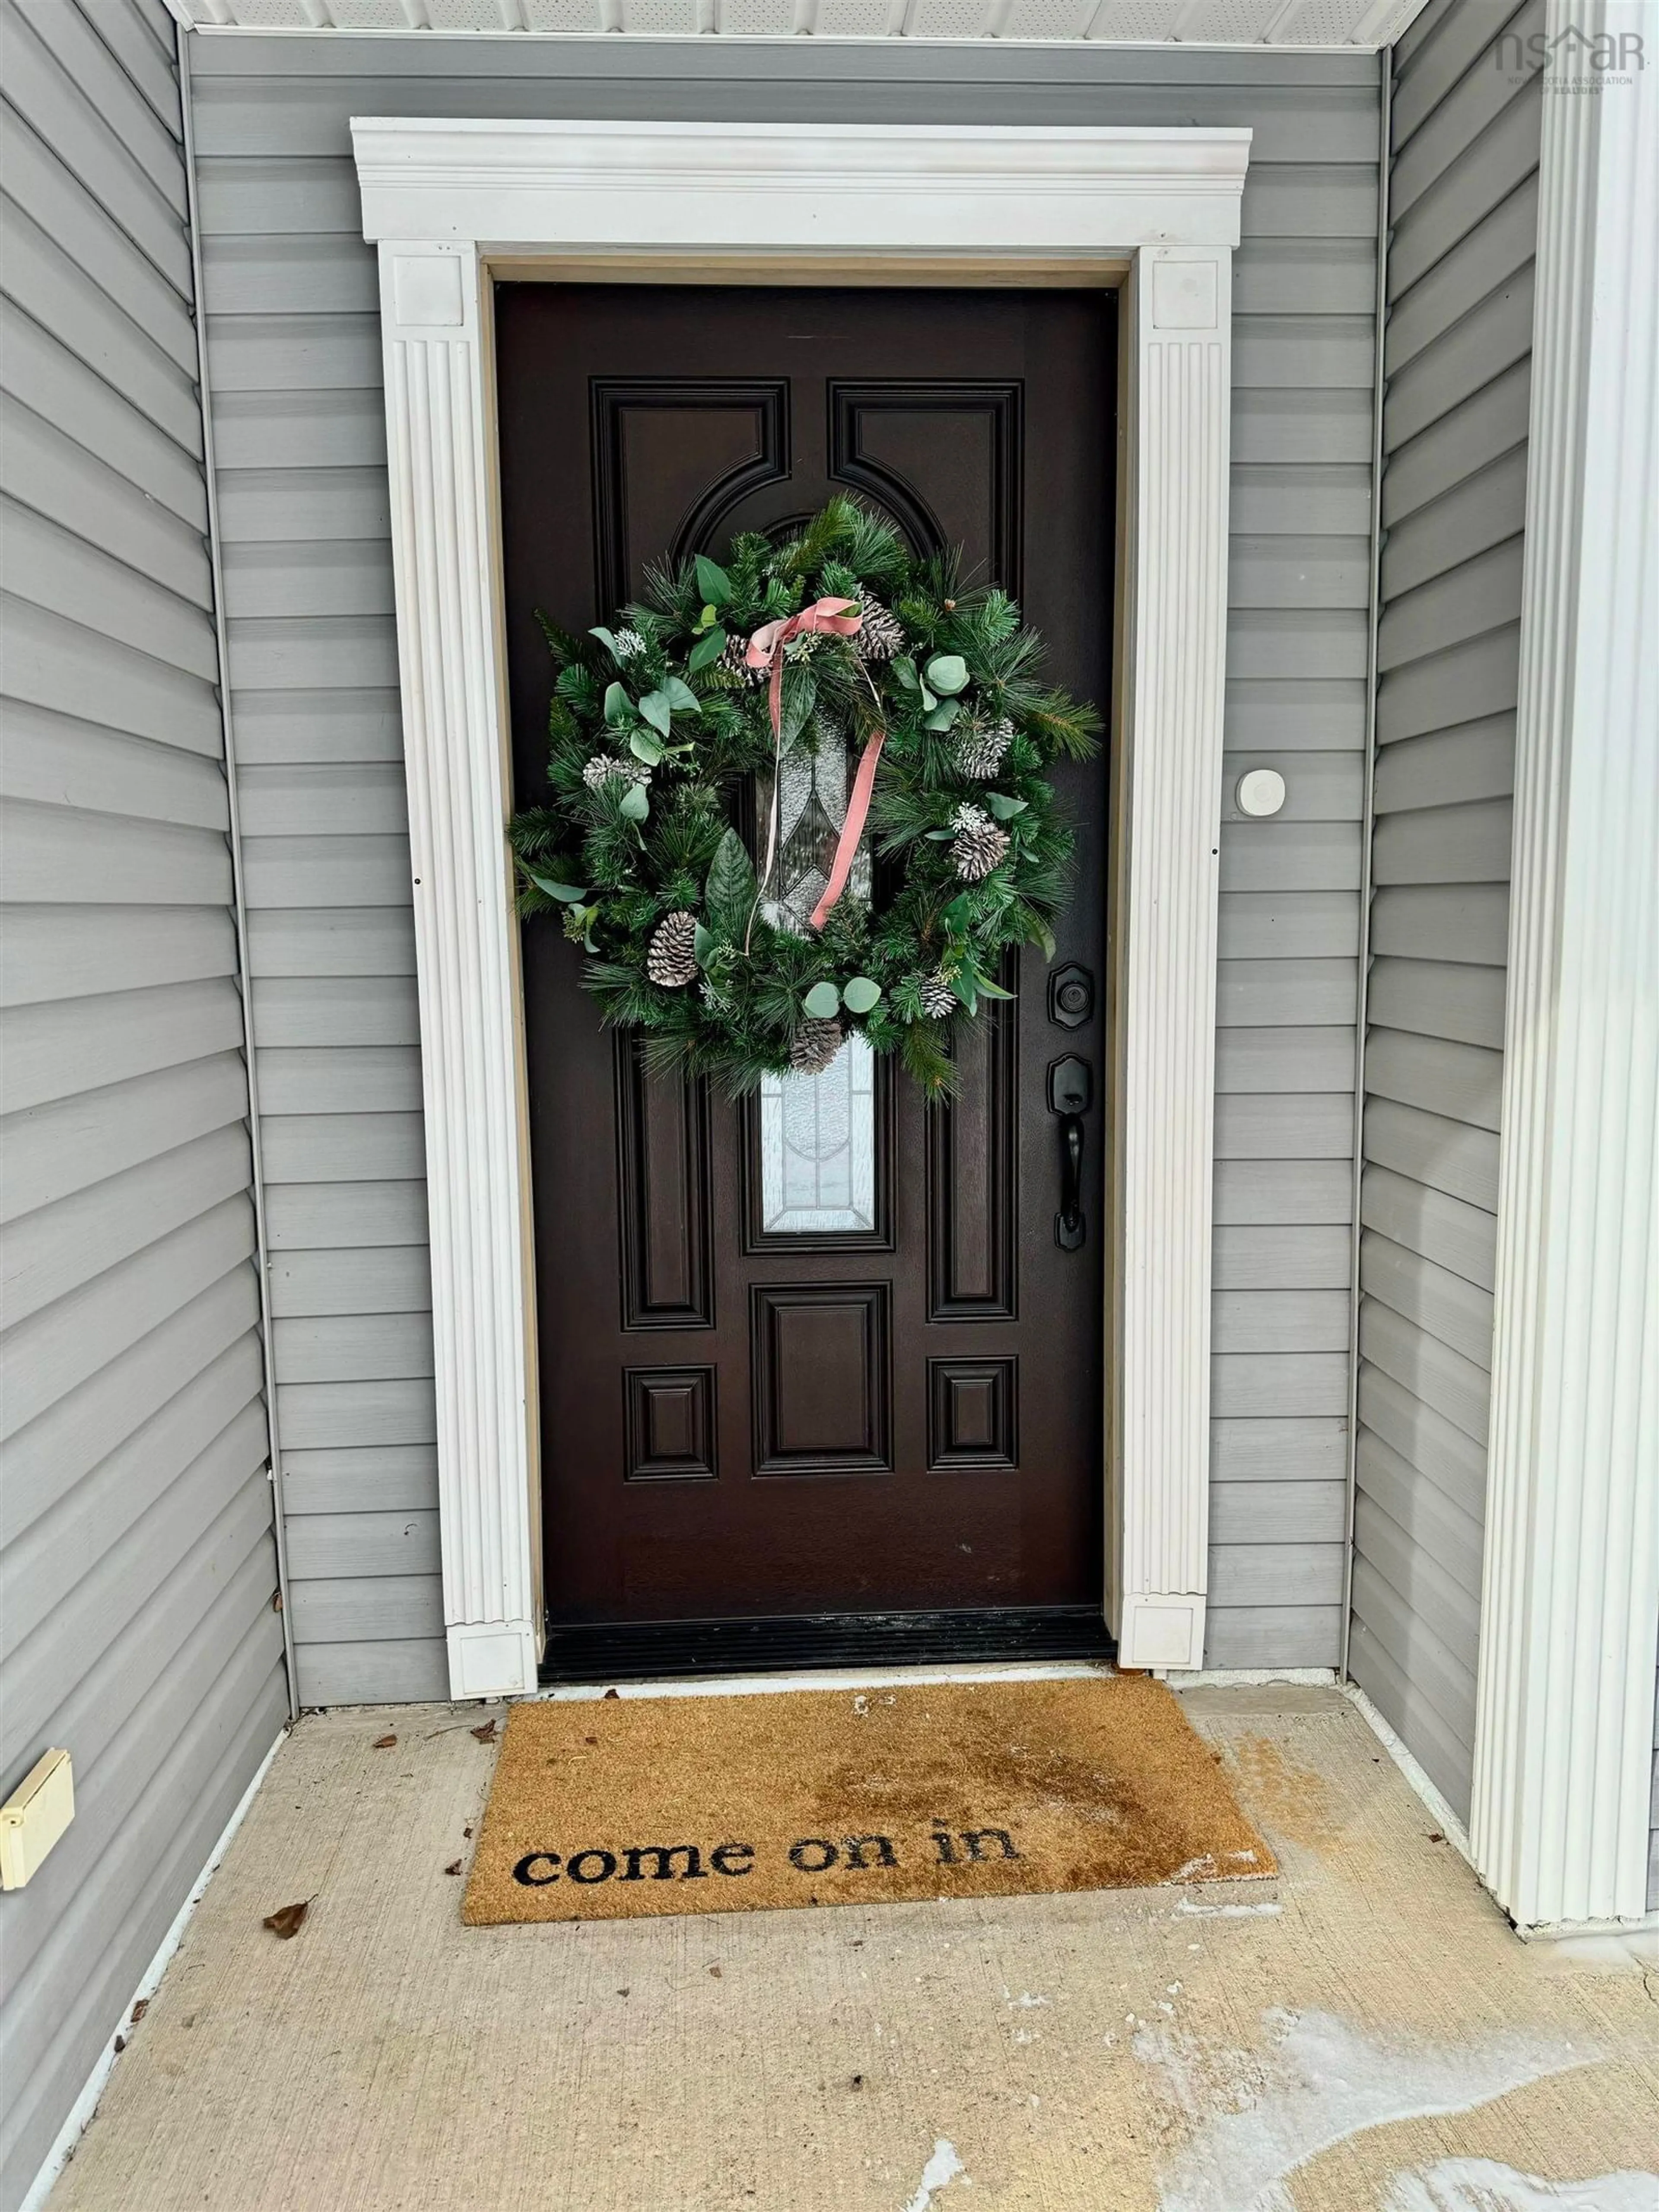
(775, 674)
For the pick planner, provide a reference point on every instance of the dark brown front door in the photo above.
(830, 1359)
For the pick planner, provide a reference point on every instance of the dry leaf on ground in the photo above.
(487, 1733)
(288, 1920)
(383, 1743)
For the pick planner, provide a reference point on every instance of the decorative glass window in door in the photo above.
(817, 1132)
(817, 1148)
(814, 777)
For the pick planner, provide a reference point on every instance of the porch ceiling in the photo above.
(1364, 25)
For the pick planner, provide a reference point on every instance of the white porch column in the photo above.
(1570, 1608)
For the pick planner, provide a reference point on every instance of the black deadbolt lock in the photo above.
(1071, 996)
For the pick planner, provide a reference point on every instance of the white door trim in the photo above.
(446, 202)
(1570, 1614)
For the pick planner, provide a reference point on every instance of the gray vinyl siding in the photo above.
(137, 1562)
(295, 366)
(1463, 215)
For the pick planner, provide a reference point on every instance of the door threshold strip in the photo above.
(701, 1650)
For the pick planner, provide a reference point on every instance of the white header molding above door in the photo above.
(448, 202)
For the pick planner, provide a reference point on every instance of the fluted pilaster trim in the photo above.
(1180, 395)
(439, 454)
(1571, 1607)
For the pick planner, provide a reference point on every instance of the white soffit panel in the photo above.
(1343, 26)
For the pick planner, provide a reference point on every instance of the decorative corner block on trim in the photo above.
(1161, 1632)
(445, 200)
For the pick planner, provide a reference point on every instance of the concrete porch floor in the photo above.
(1365, 2034)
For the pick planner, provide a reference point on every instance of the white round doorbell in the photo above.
(1261, 792)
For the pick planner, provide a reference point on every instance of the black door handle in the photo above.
(1068, 1222)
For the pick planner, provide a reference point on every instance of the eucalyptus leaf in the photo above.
(635, 803)
(607, 638)
(708, 650)
(657, 711)
(860, 995)
(619, 707)
(1003, 806)
(946, 672)
(956, 916)
(943, 714)
(966, 988)
(680, 697)
(713, 582)
(987, 989)
(905, 669)
(568, 892)
(702, 943)
(730, 892)
(821, 1002)
(941, 836)
(645, 745)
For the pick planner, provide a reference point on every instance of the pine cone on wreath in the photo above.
(939, 999)
(734, 660)
(814, 1046)
(980, 747)
(604, 767)
(671, 959)
(880, 633)
(978, 845)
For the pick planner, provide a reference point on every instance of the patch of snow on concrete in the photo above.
(942, 2168)
(1481, 2184)
(1258, 2115)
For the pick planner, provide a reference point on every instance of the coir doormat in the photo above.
(610, 1809)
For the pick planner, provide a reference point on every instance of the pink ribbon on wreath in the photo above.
(766, 651)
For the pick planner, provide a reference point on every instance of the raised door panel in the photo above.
(673, 459)
(663, 1178)
(822, 1358)
(973, 1192)
(944, 458)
